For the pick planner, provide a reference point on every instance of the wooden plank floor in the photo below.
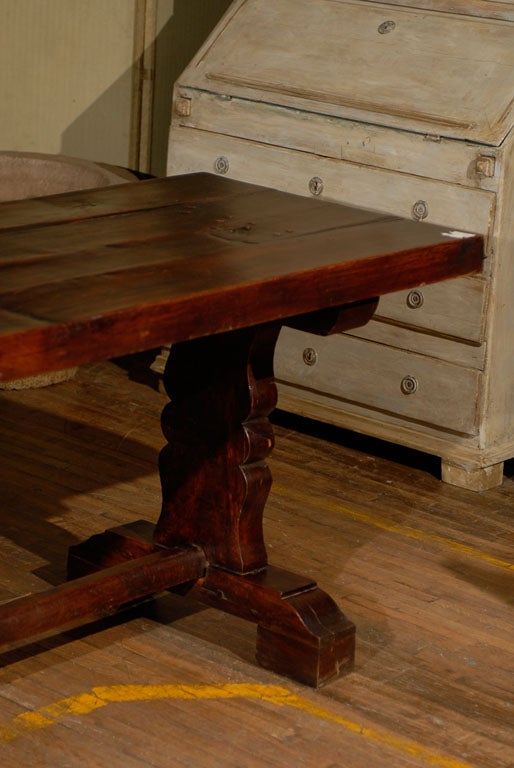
(424, 570)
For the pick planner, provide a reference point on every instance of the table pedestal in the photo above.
(215, 482)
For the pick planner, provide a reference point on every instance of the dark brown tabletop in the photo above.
(95, 274)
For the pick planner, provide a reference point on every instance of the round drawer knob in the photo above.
(420, 210)
(221, 165)
(409, 385)
(415, 299)
(310, 356)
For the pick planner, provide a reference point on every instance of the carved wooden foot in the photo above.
(301, 632)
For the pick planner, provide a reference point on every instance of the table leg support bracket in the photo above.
(301, 632)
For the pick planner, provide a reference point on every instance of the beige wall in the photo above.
(182, 26)
(75, 78)
(65, 77)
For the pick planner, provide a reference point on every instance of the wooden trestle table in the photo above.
(215, 267)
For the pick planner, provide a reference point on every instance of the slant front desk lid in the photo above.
(420, 69)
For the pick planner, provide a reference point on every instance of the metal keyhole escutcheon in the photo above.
(316, 186)
(387, 26)
(310, 356)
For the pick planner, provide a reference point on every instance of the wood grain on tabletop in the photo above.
(127, 268)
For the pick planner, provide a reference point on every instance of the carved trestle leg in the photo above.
(215, 484)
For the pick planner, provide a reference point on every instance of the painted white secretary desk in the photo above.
(406, 108)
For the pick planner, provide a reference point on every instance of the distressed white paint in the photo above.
(290, 89)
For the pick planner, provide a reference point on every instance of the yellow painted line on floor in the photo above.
(397, 528)
(85, 703)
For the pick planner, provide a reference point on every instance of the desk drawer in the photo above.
(454, 308)
(418, 388)
(399, 194)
